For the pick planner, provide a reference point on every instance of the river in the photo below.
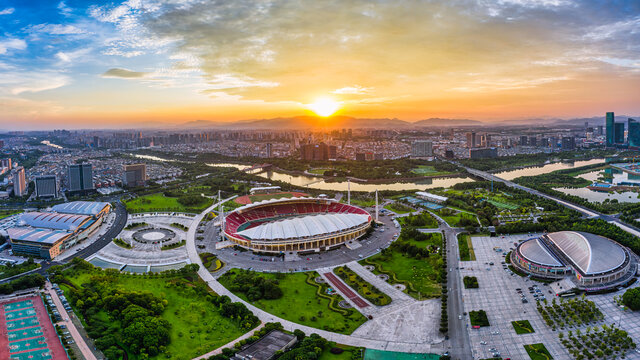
(539, 170)
(618, 178)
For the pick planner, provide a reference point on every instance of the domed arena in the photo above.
(297, 224)
(591, 261)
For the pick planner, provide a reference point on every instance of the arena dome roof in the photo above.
(591, 254)
(304, 226)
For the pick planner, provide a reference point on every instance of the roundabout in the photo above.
(153, 235)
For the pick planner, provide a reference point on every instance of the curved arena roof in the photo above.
(591, 254)
(535, 251)
(304, 226)
(55, 221)
(81, 207)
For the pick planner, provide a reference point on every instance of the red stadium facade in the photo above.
(299, 224)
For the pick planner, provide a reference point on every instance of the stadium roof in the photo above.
(304, 226)
(36, 235)
(276, 201)
(592, 254)
(51, 220)
(432, 196)
(81, 207)
(536, 252)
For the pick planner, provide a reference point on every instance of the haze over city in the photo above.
(83, 64)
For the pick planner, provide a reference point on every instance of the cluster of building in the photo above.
(616, 132)
(47, 234)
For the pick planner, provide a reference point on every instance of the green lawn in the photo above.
(347, 354)
(502, 205)
(359, 202)
(426, 170)
(318, 171)
(538, 352)
(454, 219)
(420, 276)
(522, 327)
(196, 325)
(302, 305)
(159, 202)
(7, 213)
(398, 208)
(465, 247)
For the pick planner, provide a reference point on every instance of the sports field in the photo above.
(26, 331)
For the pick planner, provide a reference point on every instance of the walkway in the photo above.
(75, 334)
(229, 344)
(345, 290)
(382, 344)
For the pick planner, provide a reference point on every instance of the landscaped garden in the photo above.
(366, 290)
(538, 352)
(422, 221)
(605, 342)
(470, 282)
(457, 218)
(413, 260)
(161, 203)
(569, 312)
(465, 247)
(522, 327)
(122, 243)
(478, 318)
(171, 315)
(211, 262)
(295, 297)
(11, 269)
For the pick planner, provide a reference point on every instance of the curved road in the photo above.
(288, 325)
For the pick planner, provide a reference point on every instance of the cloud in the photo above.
(8, 44)
(7, 11)
(64, 9)
(124, 74)
(55, 29)
(18, 82)
(72, 57)
(353, 90)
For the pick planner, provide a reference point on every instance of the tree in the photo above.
(631, 299)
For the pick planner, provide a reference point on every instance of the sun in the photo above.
(324, 106)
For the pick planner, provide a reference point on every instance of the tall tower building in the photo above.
(46, 186)
(609, 125)
(633, 133)
(618, 131)
(19, 182)
(135, 175)
(269, 150)
(421, 148)
(80, 177)
(471, 140)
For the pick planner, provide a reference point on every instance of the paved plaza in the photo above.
(498, 297)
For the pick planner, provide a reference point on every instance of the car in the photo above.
(459, 317)
(483, 343)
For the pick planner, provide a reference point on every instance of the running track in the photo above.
(346, 290)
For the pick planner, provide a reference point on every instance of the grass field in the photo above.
(301, 305)
(359, 202)
(502, 205)
(426, 170)
(347, 354)
(159, 202)
(196, 325)
(522, 327)
(7, 213)
(418, 275)
(318, 171)
(538, 352)
(465, 247)
(454, 220)
(398, 208)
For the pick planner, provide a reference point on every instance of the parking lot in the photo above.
(497, 295)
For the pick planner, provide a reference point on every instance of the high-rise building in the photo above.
(471, 140)
(361, 157)
(19, 182)
(321, 152)
(46, 186)
(609, 124)
(523, 141)
(618, 131)
(269, 150)
(533, 141)
(135, 175)
(80, 177)
(568, 143)
(421, 148)
(6, 163)
(633, 133)
(600, 130)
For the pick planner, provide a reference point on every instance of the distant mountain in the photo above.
(299, 122)
(447, 122)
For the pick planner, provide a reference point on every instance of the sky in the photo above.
(107, 64)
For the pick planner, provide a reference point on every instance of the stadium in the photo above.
(296, 224)
(591, 262)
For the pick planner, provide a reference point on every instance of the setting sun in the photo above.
(324, 107)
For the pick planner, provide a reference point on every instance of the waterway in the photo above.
(49, 143)
(616, 177)
(545, 169)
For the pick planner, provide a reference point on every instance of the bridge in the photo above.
(259, 167)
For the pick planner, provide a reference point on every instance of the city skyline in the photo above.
(79, 64)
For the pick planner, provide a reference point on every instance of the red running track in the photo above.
(346, 290)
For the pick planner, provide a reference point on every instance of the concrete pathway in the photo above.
(396, 295)
(381, 344)
(75, 334)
